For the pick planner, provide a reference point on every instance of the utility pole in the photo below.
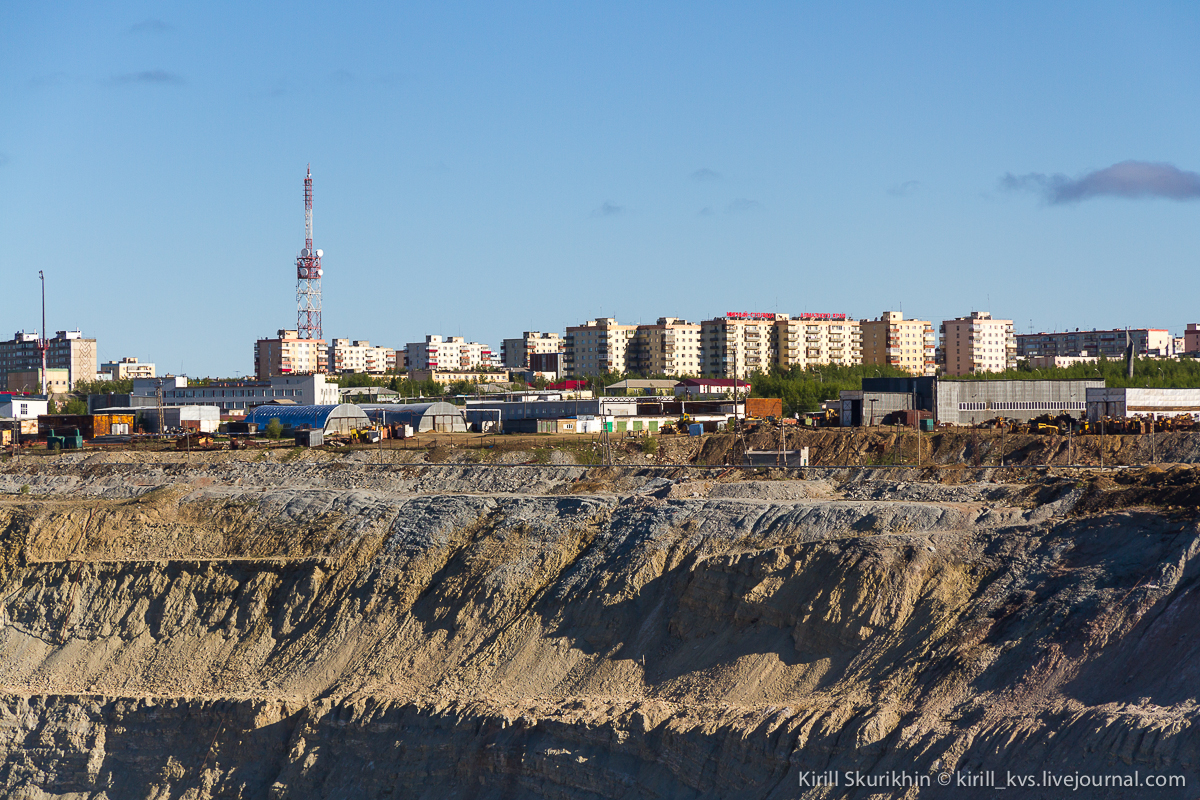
(44, 342)
(158, 398)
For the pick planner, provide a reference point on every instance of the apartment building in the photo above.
(127, 368)
(1191, 339)
(811, 340)
(515, 353)
(68, 350)
(449, 353)
(978, 343)
(905, 344)
(288, 354)
(670, 346)
(359, 355)
(1147, 343)
(597, 346)
(739, 343)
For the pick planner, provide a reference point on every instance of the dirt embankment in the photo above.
(945, 447)
(330, 629)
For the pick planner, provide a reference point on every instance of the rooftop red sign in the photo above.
(748, 315)
(822, 316)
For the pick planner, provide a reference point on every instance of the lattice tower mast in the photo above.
(308, 274)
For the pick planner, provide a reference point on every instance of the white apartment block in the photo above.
(451, 353)
(670, 346)
(127, 368)
(905, 344)
(345, 355)
(288, 354)
(813, 340)
(597, 346)
(978, 343)
(739, 344)
(515, 353)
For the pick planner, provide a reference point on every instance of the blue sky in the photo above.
(482, 169)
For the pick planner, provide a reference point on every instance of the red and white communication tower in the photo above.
(308, 275)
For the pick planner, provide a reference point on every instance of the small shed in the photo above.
(442, 417)
(341, 418)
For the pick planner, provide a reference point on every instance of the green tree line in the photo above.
(803, 389)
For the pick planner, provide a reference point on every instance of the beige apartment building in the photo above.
(905, 344)
(978, 343)
(670, 346)
(345, 355)
(515, 353)
(811, 340)
(288, 354)
(597, 346)
(739, 344)
(127, 368)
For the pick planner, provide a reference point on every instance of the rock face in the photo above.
(258, 630)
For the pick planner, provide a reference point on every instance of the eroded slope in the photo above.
(330, 631)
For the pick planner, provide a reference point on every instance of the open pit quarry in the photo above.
(316, 625)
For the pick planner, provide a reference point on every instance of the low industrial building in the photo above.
(558, 409)
(966, 402)
(974, 401)
(89, 425)
(1131, 402)
(23, 406)
(205, 419)
(303, 390)
(634, 386)
(616, 413)
(343, 418)
(880, 398)
(712, 387)
(445, 378)
(420, 417)
(368, 394)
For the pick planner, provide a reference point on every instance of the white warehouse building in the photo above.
(1132, 402)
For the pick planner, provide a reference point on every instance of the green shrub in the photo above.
(274, 428)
